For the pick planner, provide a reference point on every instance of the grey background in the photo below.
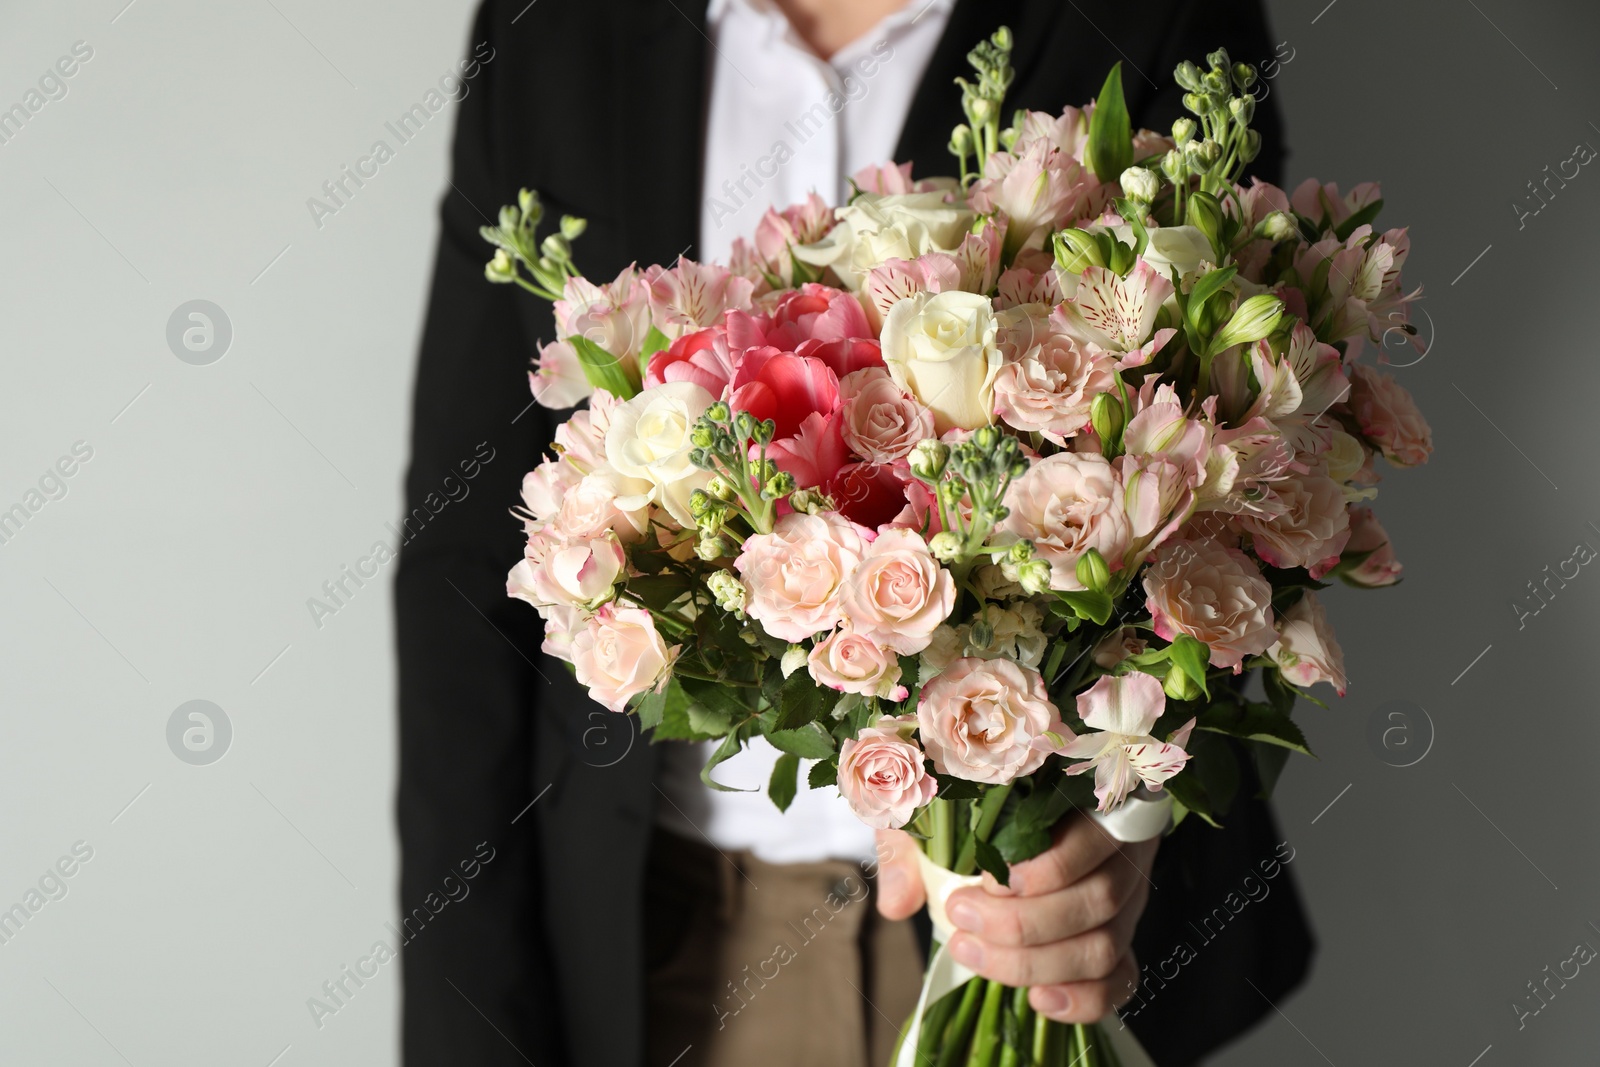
(220, 497)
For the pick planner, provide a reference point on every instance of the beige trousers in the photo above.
(752, 964)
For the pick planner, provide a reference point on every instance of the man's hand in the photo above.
(1064, 927)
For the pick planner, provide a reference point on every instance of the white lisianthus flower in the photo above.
(876, 228)
(941, 348)
(648, 441)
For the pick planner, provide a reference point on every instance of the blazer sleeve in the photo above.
(476, 980)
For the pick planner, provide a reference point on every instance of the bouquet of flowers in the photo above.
(977, 496)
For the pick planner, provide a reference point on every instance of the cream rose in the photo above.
(648, 441)
(1214, 594)
(879, 420)
(1067, 504)
(942, 349)
(794, 577)
(619, 655)
(1306, 650)
(882, 778)
(899, 594)
(853, 663)
(988, 720)
(876, 228)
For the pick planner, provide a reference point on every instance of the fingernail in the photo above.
(1050, 1000)
(965, 916)
(967, 951)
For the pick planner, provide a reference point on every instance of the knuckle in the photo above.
(1102, 897)
(1100, 954)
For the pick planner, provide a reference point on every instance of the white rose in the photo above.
(1182, 248)
(648, 441)
(941, 348)
(876, 228)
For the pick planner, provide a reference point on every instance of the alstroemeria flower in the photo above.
(1122, 753)
(1119, 314)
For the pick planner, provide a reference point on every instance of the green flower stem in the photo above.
(987, 813)
(1042, 1031)
(933, 1026)
(941, 847)
(1022, 1015)
(986, 1042)
(954, 1046)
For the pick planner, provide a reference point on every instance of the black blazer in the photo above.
(599, 105)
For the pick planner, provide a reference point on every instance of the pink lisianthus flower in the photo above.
(1212, 593)
(1123, 753)
(988, 720)
(1050, 386)
(1067, 504)
(619, 654)
(881, 776)
(1306, 650)
(1368, 535)
(1389, 417)
(1310, 528)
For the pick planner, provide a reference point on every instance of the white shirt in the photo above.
(783, 123)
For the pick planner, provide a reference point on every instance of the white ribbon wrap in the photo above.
(1135, 820)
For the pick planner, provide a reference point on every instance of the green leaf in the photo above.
(603, 370)
(652, 709)
(801, 701)
(785, 780)
(1357, 220)
(1192, 657)
(658, 591)
(1096, 607)
(654, 341)
(810, 741)
(989, 859)
(725, 700)
(1270, 761)
(1110, 130)
(953, 788)
(708, 722)
(675, 725)
(1254, 722)
(725, 751)
(823, 772)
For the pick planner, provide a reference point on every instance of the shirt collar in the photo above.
(911, 11)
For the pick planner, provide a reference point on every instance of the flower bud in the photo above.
(1252, 320)
(945, 546)
(1106, 416)
(764, 432)
(928, 459)
(1219, 59)
(728, 590)
(699, 503)
(718, 411)
(1173, 166)
(1183, 131)
(779, 485)
(572, 227)
(1187, 75)
(1202, 155)
(1244, 75)
(502, 268)
(1034, 576)
(1242, 108)
(1001, 38)
(1179, 686)
(702, 436)
(510, 218)
(1093, 573)
(713, 546)
(744, 425)
(719, 488)
(810, 501)
(1277, 227)
(1250, 147)
(986, 439)
(556, 248)
(794, 657)
(1140, 184)
(1021, 552)
(1198, 103)
(981, 633)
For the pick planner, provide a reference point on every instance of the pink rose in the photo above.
(854, 663)
(1306, 650)
(1310, 526)
(619, 655)
(1212, 593)
(1367, 534)
(1388, 417)
(1049, 387)
(817, 313)
(1067, 504)
(882, 778)
(899, 594)
(988, 720)
(794, 577)
(881, 421)
(701, 357)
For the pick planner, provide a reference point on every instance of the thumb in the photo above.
(900, 892)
